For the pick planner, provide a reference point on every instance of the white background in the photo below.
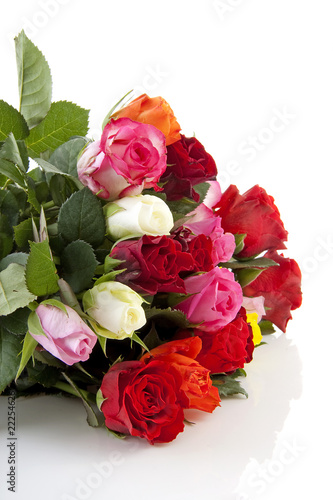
(227, 69)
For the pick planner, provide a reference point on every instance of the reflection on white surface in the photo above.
(224, 455)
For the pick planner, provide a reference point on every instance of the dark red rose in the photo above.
(153, 264)
(188, 164)
(254, 214)
(144, 400)
(227, 349)
(281, 287)
(200, 247)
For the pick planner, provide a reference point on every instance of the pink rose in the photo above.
(215, 299)
(129, 157)
(95, 170)
(67, 337)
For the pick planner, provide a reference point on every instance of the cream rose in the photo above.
(115, 309)
(138, 215)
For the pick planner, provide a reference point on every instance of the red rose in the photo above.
(200, 247)
(281, 287)
(153, 264)
(226, 349)
(197, 383)
(254, 214)
(144, 400)
(188, 164)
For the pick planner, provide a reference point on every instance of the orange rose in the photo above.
(197, 383)
(152, 111)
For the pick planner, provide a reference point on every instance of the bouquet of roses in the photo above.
(127, 278)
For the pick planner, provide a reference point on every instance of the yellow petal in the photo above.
(252, 318)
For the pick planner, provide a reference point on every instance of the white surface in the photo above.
(225, 77)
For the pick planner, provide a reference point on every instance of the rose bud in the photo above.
(115, 309)
(138, 215)
(66, 336)
(155, 111)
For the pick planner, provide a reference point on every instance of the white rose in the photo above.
(138, 215)
(116, 308)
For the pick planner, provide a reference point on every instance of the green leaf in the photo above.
(17, 257)
(9, 206)
(63, 121)
(108, 276)
(11, 151)
(202, 189)
(175, 317)
(246, 276)
(227, 385)
(13, 289)
(29, 346)
(62, 187)
(10, 346)
(34, 324)
(11, 171)
(239, 240)
(41, 272)
(34, 81)
(43, 374)
(266, 327)
(23, 232)
(139, 341)
(6, 236)
(79, 263)
(64, 158)
(17, 322)
(12, 121)
(81, 218)
(261, 262)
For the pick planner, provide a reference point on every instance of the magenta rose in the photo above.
(215, 299)
(129, 157)
(67, 337)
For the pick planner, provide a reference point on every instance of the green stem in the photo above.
(48, 204)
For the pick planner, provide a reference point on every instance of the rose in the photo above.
(115, 309)
(203, 221)
(66, 336)
(254, 214)
(196, 383)
(188, 164)
(137, 215)
(144, 400)
(129, 157)
(155, 111)
(215, 298)
(280, 286)
(152, 264)
(227, 349)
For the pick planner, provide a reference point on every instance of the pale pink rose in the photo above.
(67, 337)
(215, 299)
(205, 222)
(255, 305)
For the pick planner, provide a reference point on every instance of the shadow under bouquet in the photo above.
(127, 278)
